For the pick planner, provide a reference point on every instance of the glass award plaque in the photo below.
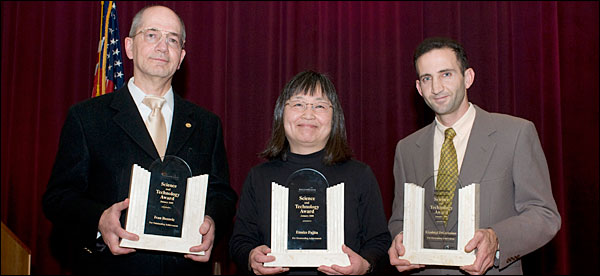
(307, 221)
(439, 223)
(307, 211)
(166, 206)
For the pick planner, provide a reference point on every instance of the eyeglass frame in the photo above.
(162, 34)
(312, 106)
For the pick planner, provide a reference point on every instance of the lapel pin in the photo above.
(188, 125)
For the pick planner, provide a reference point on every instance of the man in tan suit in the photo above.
(502, 153)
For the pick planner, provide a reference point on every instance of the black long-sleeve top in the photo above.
(365, 225)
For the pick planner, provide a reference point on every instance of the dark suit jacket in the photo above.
(100, 141)
(505, 157)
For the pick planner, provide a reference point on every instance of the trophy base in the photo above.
(440, 257)
(161, 244)
(308, 258)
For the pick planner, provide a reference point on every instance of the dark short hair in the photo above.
(337, 148)
(433, 43)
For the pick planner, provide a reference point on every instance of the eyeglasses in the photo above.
(153, 36)
(320, 107)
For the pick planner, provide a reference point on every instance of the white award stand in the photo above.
(468, 223)
(193, 216)
(307, 258)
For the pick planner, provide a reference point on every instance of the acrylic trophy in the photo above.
(307, 222)
(436, 233)
(166, 206)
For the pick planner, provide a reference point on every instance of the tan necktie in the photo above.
(447, 175)
(156, 124)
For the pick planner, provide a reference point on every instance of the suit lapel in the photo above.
(182, 127)
(479, 148)
(424, 156)
(477, 156)
(129, 119)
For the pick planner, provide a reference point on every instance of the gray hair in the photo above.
(135, 24)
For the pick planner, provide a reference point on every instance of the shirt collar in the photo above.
(138, 95)
(462, 126)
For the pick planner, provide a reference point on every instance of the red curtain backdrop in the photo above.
(535, 60)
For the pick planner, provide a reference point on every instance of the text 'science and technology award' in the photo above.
(166, 206)
(307, 222)
(436, 233)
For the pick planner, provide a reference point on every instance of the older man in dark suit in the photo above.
(502, 153)
(103, 137)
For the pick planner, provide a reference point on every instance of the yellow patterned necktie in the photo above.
(447, 175)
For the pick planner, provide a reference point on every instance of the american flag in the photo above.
(108, 75)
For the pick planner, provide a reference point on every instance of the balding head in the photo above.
(138, 19)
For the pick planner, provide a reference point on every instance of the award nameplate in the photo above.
(307, 222)
(166, 207)
(427, 240)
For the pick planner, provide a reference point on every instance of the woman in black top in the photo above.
(309, 132)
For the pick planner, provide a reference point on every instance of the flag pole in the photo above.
(96, 77)
(104, 48)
